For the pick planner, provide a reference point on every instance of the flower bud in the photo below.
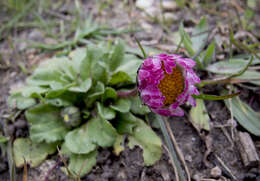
(71, 116)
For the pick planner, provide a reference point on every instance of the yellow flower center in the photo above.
(171, 85)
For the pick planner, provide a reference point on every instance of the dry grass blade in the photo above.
(25, 172)
(179, 152)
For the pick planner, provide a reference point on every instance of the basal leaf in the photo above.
(3, 139)
(16, 100)
(121, 105)
(146, 138)
(105, 112)
(81, 164)
(33, 91)
(45, 123)
(130, 66)
(245, 115)
(119, 78)
(102, 132)
(93, 56)
(137, 107)
(125, 123)
(95, 93)
(83, 86)
(77, 56)
(33, 153)
(79, 141)
(85, 139)
(117, 55)
(199, 115)
(109, 93)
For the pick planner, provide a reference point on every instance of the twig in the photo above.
(25, 173)
(225, 167)
(51, 170)
(172, 163)
(178, 149)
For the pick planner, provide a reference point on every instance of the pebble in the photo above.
(143, 4)
(169, 5)
(20, 124)
(36, 35)
(215, 172)
(3, 166)
(170, 17)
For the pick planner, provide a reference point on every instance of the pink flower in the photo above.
(165, 82)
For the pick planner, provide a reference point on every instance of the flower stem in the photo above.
(171, 148)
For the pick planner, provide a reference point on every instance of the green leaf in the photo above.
(199, 34)
(137, 107)
(110, 93)
(33, 91)
(105, 112)
(81, 164)
(95, 93)
(251, 74)
(53, 71)
(209, 53)
(125, 123)
(102, 132)
(199, 115)
(130, 66)
(96, 131)
(117, 56)
(121, 105)
(83, 86)
(99, 72)
(33, 153)
(228, 67)
(77, 56)
(16, 100)
(146, 138)
(93, 56)
(119, 78)
(3, 139)
(245, 115)
(79, 141)
(45, 123)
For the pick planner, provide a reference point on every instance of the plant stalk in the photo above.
(171, 148)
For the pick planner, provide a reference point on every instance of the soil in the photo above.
(128, 166)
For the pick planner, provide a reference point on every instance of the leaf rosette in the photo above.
(72, 101)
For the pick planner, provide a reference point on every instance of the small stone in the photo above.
(170, 17)
(3, 166)
(10, 129)
(36, 35)
(188, 158)
(20, 124)
(169, 5)
(215, 172)
(196, 177)
(152, 11)
(143, 4)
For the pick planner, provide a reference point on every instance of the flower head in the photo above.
(165, 82)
